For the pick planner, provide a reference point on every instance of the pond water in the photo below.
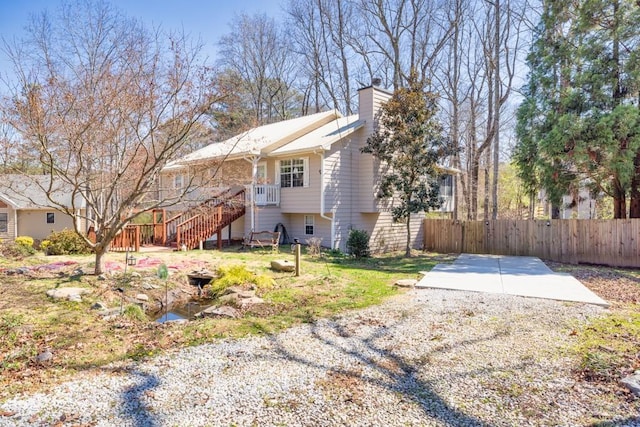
(186, 311)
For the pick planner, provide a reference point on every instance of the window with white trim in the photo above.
(178, 181)
(308, 224)
(261, 173)
(293, 173)
(4, 221)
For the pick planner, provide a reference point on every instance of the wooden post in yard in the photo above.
(297, 242)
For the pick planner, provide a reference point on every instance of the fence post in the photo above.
(137, 238)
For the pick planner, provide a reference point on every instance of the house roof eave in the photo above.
(307, 150)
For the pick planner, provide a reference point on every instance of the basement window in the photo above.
(308, 225)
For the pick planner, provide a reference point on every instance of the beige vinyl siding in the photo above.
(302, 199)
(266, 219)
(33, 223)
(387, 236)
(207, 179)
(237, 230)
(370, 101)
(321, 228)
(341, 189)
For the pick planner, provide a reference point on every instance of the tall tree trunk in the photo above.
(473, 191)
(455, 119)
(407, 252)
(99, 251)
(486, 184)
(634, 209)
(619, 200)
(496, 112)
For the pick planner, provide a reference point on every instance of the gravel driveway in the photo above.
(428, 357)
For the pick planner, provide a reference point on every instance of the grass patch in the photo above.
(608, 345)
(80, 339)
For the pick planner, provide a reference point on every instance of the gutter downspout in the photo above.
(254, 170)
(322, 203)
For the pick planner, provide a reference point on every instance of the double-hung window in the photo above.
(293, 173)
(308, 224)
(4, 221)
(178, 181)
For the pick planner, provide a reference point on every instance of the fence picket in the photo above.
(607, 242)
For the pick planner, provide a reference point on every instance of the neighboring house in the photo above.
(306, 176)
(577, 206)
(25, 209)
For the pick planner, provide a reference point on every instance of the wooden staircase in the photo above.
(191, 227)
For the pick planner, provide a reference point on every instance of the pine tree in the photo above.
(579, 123)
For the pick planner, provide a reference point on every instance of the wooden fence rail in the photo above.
(613, 242)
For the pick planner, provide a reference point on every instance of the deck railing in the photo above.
(266, 194)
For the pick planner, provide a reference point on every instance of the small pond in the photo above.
(185, 311)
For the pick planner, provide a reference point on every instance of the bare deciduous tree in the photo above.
(322, 32)
(258, 51)
(105, 104)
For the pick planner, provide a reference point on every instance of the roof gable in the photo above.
(260, 140)
(321, 138)
(28, 191)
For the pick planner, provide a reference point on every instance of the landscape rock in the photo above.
(19, 270)
(232, 299)
(142, 297)
(149, 286)
(223, 311)
(176, 321)
(406, 283)
(136, 274)
(632, 382)
(232, 290)
(102, 277)
(283, 265)
(67, 293)
(45, 357)
(99, 306)
(75, 298)
(246, 302)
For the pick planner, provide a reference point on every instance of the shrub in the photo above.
(12, 250)
(358, 243)
(44, 245)
(314, 245)
(238, 275)
(25, 245)
(24, 241)
(65, 242)
(163, 271)
(135, 312)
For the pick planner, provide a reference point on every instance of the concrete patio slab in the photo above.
(522, 276)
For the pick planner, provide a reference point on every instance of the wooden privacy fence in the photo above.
(613, 242)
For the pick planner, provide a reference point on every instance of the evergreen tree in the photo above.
(409, 142)
(578, 124)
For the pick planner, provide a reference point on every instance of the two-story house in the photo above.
(304, 176)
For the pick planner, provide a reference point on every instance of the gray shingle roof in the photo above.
(29, 192)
